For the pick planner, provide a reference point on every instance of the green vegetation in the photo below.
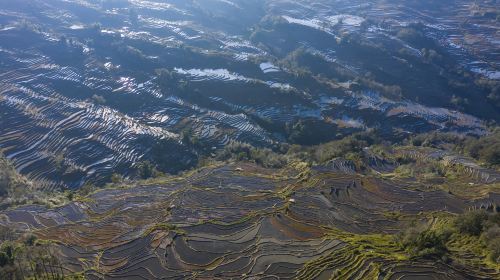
(163, 227)
(245, 152)
(26, 257)
(162, 156)
(350, 148)
(15, 189)
(426, 243)
(485, 227)
(246, 209)
(310, 132)
(350, 260)
(169, 80)
(11, 183)
(414, 35)
(445, 239)
(471, 223)
(491, 236)
(147, 170)
(485, 149)
(452, 237)
(420, 58)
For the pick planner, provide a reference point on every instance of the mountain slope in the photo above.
(239, 219)
(89, 87)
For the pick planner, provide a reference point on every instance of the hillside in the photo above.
(93, 88)
(249, 139)
(358, 219)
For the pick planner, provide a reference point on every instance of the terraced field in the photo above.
(263, 139)
(80, 101)
(239, 220)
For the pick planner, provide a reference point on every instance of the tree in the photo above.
(472, 222)
(147, 170)
(116, 178)
(166, 80)
(427, 243)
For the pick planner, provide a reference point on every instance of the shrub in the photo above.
(4, 183)
(494, 249)
(167, 80)
(486, 148)
(5, 176)
(235, 150)
(267, 158)
(147, 170)
(310, 132)
(30, 240)
(353, 144)
(410, 34)
(6, 254)
(12, 184)
(435, 139)
(471, 222)
(168, 161)
(426, 243)
(18, 261)
(87, 189)
(405, 170)
(116, 178)
(191, 139)
(245, 152)
(491, 237)
(4, 259)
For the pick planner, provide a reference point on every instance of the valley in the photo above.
(263, 139)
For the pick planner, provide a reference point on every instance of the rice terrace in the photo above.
(249, 139)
